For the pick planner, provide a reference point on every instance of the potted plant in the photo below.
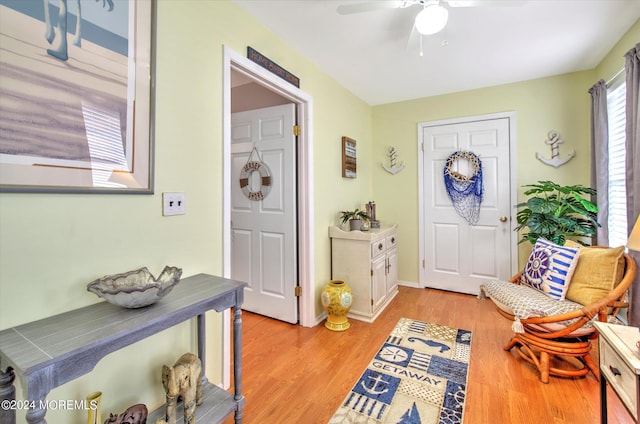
(354, 217)
(556, 213)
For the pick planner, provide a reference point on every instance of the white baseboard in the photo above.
(408, 284)
(320, 319)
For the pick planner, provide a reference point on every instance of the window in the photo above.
(617, 224)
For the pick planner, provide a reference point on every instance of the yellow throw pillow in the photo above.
(599, 270)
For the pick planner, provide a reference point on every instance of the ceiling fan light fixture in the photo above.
(431, 19)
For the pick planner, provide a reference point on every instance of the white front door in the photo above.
(263, 230)
(459, 255)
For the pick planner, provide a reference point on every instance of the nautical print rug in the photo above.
(418, 376)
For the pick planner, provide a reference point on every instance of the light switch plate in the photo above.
(173, 204)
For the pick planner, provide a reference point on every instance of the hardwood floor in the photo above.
(293, 374)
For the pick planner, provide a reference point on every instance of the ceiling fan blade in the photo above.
(347, 9)
(413, 34)
(485, 3)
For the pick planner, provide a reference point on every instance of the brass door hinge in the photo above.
(298, 291)
(296, 130)
(372, 273)
(371, 302)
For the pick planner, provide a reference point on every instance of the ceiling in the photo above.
(375, 54)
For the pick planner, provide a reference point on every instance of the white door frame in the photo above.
(513, 193)
(306, 264)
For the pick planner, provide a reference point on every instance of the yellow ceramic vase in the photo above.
(337, 300)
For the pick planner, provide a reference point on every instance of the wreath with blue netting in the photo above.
(464, 190)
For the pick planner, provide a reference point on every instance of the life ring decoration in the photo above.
(265, 180)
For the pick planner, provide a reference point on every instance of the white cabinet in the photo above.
(619, 366)
(367, 261)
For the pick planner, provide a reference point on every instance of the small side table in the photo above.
(619, 365)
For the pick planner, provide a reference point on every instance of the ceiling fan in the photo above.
(433, 16)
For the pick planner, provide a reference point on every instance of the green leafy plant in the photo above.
(556, 213)
(356, 214)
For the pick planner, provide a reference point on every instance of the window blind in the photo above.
(617, 224)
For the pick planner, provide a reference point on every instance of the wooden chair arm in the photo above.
(618, 304)
(516, 278)
(602, 308)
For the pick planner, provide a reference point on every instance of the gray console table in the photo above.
(53, 351)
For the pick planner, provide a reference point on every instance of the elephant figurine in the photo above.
(135, 414)
(183, 380)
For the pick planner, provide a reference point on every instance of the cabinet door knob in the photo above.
(393, 239)
(379, 246)
(503, 219)
(616, 372)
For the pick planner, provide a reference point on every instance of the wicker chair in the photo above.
(544, 340)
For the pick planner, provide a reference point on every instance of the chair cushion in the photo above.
(598, 271)
(523, 301)
(550, 268)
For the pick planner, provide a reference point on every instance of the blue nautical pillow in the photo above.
(550, 268)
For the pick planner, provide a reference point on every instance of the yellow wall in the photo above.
(560, 103)
(614, 60)
(51, 245)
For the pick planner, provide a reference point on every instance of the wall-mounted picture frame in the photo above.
(77, 96)
(349, 158)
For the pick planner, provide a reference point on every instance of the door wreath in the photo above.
(265, 177)
(464, 191)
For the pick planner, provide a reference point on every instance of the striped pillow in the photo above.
(550, 268)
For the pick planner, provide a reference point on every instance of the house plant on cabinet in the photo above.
(556, 213)
(355, 219)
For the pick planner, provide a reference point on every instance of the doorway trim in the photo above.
(306, 264)
(511, 116)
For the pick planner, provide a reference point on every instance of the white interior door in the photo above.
(263, 231)
(458, 255)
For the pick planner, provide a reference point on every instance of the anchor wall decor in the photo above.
(393, 156)
(554, 141)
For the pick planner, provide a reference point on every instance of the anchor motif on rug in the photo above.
(555, 161)
(377, 380)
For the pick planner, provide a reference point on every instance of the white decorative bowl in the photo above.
(135, 289)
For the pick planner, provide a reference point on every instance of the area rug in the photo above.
(418, 376)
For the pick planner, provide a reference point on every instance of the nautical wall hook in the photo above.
(554, 141)
(393, 156)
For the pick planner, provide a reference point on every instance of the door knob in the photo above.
(503, 219)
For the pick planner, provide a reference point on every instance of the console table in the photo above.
(53, 351)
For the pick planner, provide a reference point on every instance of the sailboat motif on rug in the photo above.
(419, 376)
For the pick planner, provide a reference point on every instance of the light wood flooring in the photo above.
(297, 375)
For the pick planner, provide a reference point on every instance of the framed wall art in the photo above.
(77, 96)
(349, 158)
